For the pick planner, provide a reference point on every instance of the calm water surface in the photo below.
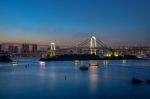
(55, 80)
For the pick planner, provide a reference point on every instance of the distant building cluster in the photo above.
(137, 51)
(23, 49)
(28, 50)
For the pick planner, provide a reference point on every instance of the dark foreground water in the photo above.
(56, 80)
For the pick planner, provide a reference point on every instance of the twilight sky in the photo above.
(66, 22)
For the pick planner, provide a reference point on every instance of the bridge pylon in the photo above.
(52, 50)
(93, 45)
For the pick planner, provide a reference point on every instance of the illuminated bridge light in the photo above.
(52, 51)
(116, 54)
(108, 54)
(93, 45)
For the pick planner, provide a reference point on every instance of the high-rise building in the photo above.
(34, 48)
(0, 47)
(10, 49)
(15, 49)
(25, 49)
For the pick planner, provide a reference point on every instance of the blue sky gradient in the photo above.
(116, 22)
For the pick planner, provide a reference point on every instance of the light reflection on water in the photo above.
(105, 62)
(65, 79)
(93, 78)
(124, 61)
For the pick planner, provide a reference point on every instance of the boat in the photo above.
(78, 61)
(146, 58)
(84, 67)
(93, 64)
(73, 57)
(15, 62)
(5, 57)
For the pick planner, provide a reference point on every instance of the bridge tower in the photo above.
(52, 50)
(93, 45)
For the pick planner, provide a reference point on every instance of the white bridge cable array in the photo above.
(92, 43)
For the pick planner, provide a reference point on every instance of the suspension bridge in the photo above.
(91, 46)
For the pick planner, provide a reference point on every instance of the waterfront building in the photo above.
(34, 48)
(25, 49)
(0, 48)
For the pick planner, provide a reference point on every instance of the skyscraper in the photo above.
(25, 49)
(34, 48)
(11, 49)
(15, 50)
(0, 47)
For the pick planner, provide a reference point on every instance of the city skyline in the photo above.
(68, 22)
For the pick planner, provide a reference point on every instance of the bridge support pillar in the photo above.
(52, 51)
(93, 45)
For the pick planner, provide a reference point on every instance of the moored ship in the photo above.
(5, 57)
(71, 57)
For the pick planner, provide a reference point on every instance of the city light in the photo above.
(42, 63)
